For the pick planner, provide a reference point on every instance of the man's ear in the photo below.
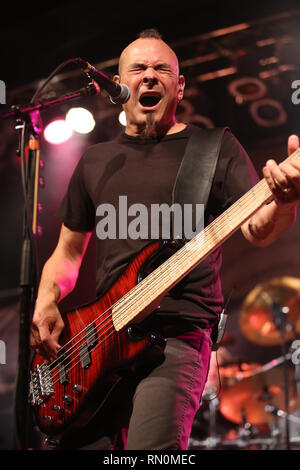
(116, 78)
(181, 83)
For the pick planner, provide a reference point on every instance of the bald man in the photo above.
(155, 407)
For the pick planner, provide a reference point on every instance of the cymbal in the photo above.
(256, 317)
(238, 371)
(247, 399)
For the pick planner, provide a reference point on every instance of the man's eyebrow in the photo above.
(137, 65)
(142, 65)
(163, 65)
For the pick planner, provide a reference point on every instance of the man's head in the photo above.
(150, 69)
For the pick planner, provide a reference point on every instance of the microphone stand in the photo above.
(279, 316)
(30, 116)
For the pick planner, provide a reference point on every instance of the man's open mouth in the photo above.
(149, 100)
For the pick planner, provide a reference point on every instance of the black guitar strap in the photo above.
(196, 172)
(193, 184)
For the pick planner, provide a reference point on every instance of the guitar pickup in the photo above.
(91, 342)
(85, 357)
(91, 336)
(62, 370)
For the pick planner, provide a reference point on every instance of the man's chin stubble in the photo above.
(148, 128)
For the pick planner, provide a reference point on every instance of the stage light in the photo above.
(247, 89)
(57, 132)
(268, 113)
(122, 118)
(80, 120)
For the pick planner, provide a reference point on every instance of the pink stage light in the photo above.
(57, 132)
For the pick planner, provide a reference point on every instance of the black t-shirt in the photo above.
(143, 171)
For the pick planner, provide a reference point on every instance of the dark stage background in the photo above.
(239, 60)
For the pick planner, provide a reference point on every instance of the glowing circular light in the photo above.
(247, 89)
(268, 113)
(57, 132)
(122, 118)
(81, 120)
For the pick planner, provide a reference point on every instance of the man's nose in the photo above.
(150, 77)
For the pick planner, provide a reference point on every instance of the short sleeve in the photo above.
(234, 176)
(76, 210)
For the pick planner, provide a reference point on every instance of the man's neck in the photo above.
(154, 131)
(178, 126)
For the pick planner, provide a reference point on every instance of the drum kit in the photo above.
(250, 405)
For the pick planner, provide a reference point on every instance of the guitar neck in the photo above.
(139, 302)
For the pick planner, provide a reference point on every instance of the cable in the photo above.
(55, 71)
(28, 213)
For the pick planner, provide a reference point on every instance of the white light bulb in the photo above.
(81, 120)
(122, 118)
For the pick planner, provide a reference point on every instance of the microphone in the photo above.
(118, 93)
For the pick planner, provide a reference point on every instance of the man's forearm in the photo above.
(60, 272)
(58, 278)
(269, 223)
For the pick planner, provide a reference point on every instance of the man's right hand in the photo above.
(47, 325)
(58, 279)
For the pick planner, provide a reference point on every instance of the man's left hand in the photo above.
(284, 179)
